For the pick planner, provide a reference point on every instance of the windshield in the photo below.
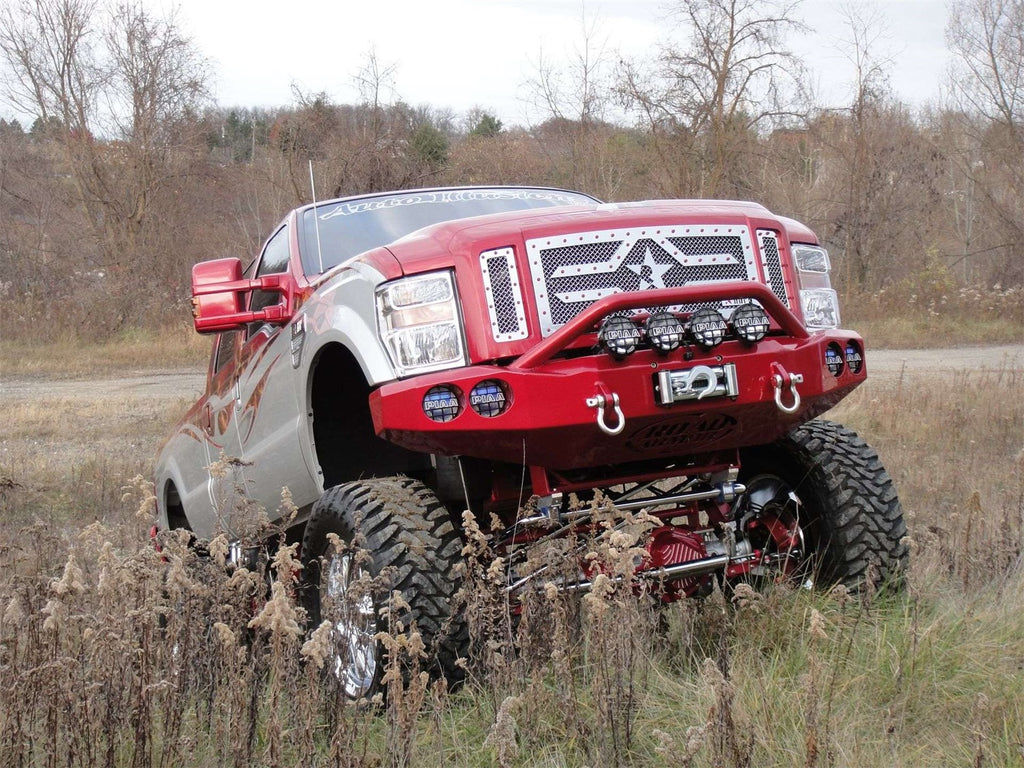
(350, 227)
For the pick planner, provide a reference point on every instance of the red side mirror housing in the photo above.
(218, 296)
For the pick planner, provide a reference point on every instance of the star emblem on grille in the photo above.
(650, 271)
(572, 270)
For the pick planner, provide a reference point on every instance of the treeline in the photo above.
(129, 176)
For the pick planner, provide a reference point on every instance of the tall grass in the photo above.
(925, 313)
(114, 654)
(70, 352)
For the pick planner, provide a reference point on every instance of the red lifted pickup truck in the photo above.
(396, 359)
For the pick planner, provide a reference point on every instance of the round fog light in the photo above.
(707, 327)
(489, 398)
(854, 357)
(665, 331)
(442, 403)
(619, 336)
(834, 359)
(750, 322)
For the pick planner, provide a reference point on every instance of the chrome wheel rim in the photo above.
(346, 602)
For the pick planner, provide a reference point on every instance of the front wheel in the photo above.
(823, 481)
(391, 527)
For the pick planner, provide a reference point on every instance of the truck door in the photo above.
(226, 474)
(271, 395)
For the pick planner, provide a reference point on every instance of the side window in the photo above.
(273, 261)
(227, 344)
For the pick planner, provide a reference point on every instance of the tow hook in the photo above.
(780, 380)
(600, 402)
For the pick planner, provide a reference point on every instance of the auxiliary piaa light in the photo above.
(834, 359)
(707, 327)
(442, 403)
(750, 322)
(664, 331)
(619, 336)
(489, 398)
(854, 357)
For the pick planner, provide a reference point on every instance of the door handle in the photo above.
(206, 419)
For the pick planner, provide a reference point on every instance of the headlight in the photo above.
(811, 259)
(818, 301)
(418, 321)
(821, 308)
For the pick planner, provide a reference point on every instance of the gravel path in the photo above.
(890, 362)
(188, 384)
(158, 385)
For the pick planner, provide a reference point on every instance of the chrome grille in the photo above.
(771, 260)
(504, 294)
(569, 272)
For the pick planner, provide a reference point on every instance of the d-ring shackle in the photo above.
(779, 381)
(599, 402)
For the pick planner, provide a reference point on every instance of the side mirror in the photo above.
(218, 296)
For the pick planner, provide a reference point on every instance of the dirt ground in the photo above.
(52, 425)
(166, 386)
(914, 362)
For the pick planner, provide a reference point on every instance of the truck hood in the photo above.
(434, 247)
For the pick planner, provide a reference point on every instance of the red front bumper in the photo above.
(552, 420)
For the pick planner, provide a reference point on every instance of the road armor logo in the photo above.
(669, 436)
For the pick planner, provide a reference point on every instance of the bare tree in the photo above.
(861, 147)
(156, 77)
(49, 48)
(576, 91)
(864, 47)
(134, 78)
(986, 38)
(371, 157)
(573, 98)
(987, 75)
(707, 99)
(116, 87)
(378, 144)
(155, 82)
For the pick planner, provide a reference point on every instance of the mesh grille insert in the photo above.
(571, 272)
(771, 260)
(504, 295)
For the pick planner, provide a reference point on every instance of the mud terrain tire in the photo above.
(853, 522)
(405, 533)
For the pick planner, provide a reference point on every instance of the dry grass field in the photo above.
(113, 655)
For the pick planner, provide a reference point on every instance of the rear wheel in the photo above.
(822, 493)
(391, 527)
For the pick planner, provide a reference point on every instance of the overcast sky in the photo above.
(465, 53)
(461, 54)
